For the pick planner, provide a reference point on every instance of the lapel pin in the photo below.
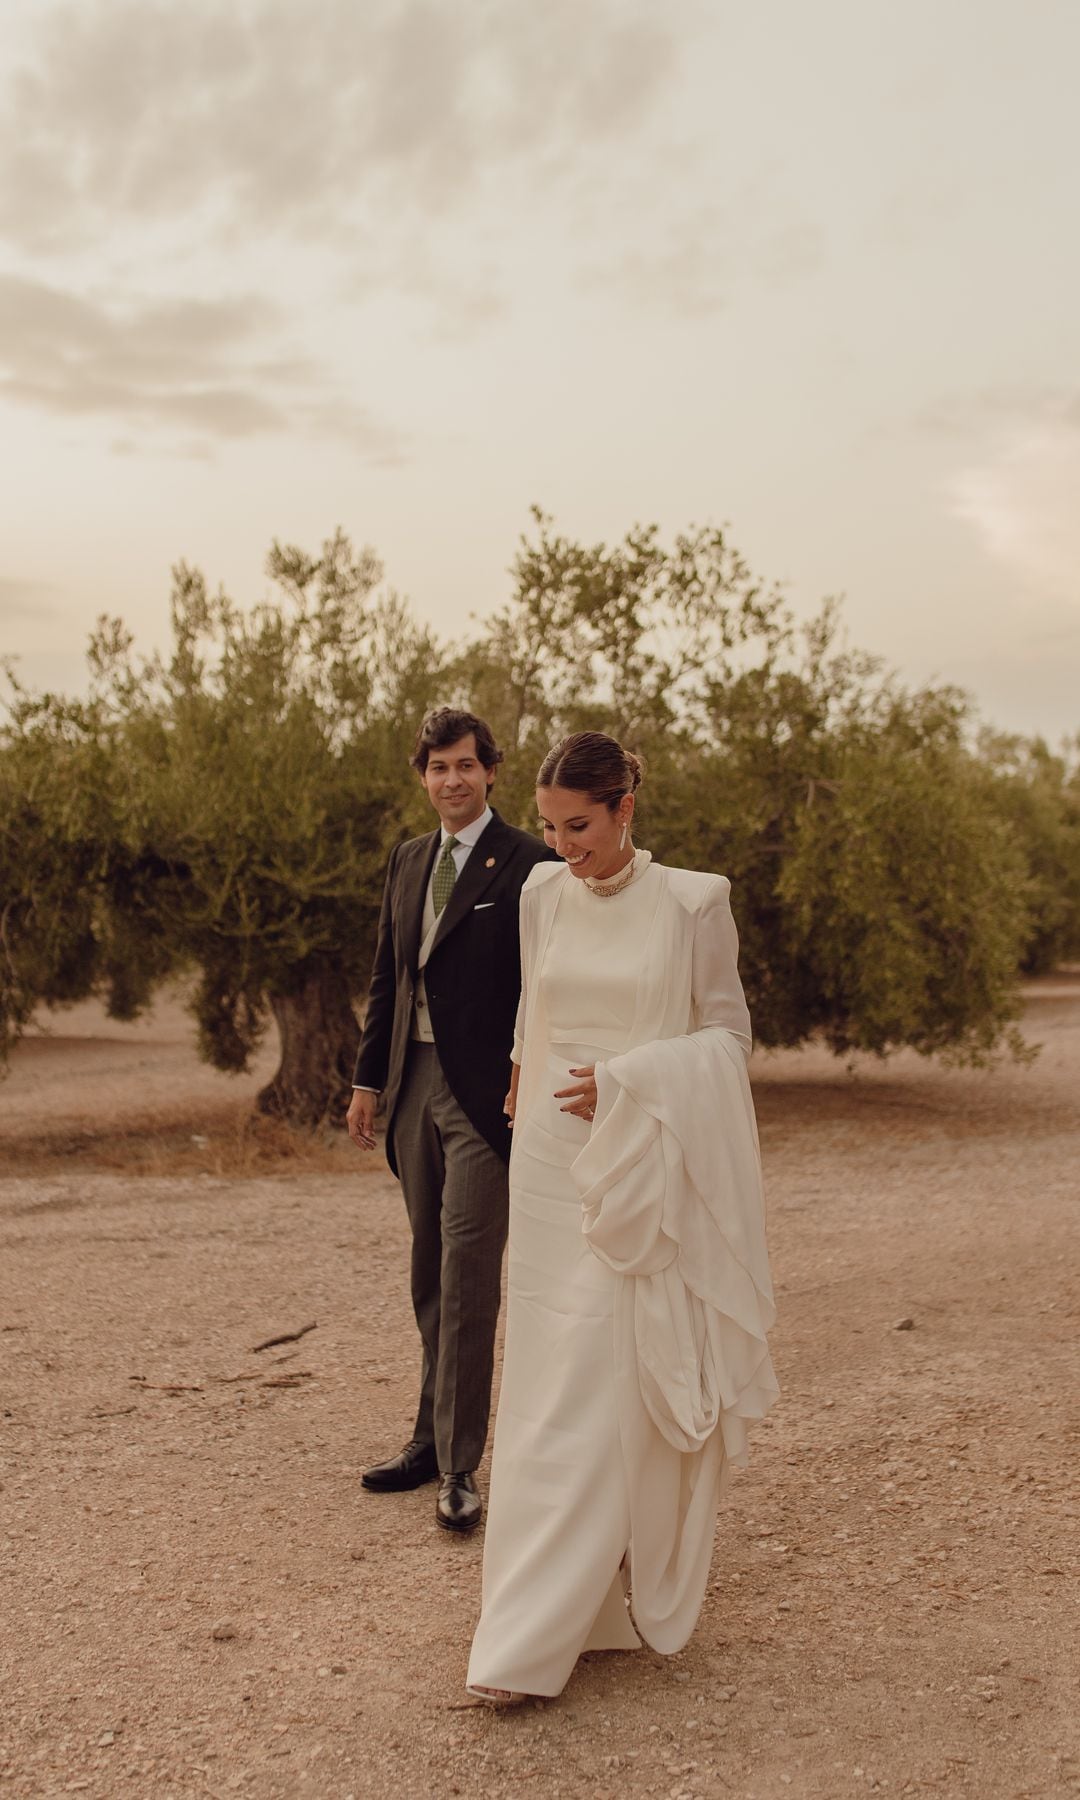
(490, 864)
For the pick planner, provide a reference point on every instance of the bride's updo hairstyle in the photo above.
(590, 762)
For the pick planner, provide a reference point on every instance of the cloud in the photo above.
(164, 362)
(690, 270)
(694, 265)
(272, 117)
(334, 416)
(459, 300)
(25, 601)
(202, 366)
(1023, 503)
(788, 253)
(1001, 406)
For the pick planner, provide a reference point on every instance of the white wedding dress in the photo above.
(638, 1292)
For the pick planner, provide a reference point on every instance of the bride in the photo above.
(638, 1282)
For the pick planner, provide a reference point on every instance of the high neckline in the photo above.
(619, 882)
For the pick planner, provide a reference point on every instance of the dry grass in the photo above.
(87, 1096)
(232, 1143)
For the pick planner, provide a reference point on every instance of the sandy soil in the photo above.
(197, 1597)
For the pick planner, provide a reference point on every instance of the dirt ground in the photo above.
(197, 1597)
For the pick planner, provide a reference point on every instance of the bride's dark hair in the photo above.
(590, 762)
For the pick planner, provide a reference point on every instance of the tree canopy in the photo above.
(228, 809)
(881, 897)
(225, 809)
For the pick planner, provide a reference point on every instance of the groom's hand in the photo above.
(360, 1118)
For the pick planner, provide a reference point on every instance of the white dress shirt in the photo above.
(466, 838)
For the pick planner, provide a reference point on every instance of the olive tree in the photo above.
(52, 834)
(880, 900)
(1037, 795)
(226, 808)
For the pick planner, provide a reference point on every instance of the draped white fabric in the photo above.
(670, 1184)
(638, 1285)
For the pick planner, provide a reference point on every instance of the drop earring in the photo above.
(622, 836)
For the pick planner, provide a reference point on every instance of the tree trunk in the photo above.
(319, 1035)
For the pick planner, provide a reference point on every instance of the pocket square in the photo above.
(483, 906)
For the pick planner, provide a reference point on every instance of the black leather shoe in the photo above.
(416, 1464)
(459, 1506)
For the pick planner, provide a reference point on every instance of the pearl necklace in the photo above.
(605, 889)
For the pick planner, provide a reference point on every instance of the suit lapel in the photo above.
(487, 857)
(414, 887)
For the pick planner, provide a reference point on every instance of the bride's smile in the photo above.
(592, 837)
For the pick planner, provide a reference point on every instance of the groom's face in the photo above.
(457, 783)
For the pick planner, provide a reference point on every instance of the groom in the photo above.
(436, 1040)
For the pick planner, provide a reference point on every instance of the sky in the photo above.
(810, 272)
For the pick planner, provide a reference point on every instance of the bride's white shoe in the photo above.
(497, 1696)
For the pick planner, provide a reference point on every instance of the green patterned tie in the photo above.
(445, 876)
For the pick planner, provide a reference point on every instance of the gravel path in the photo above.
(197, 1597)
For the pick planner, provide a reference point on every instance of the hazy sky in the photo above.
(809, 270)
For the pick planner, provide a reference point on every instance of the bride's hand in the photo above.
(582, 1096)
(510, 1103)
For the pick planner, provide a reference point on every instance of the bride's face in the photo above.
(584, 833)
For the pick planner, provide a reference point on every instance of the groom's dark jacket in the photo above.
(472, 976)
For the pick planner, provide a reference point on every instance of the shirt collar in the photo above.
(469, 833)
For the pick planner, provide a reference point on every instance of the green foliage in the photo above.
(879, 899)
(904, 896)
(227, 808)
(1037, 795)
(65, 879)
(266, 779)
(630, 639)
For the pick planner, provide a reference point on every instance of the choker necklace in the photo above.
(605, 889)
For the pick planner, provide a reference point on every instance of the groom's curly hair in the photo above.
(446, 725)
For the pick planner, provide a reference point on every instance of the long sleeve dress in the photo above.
(638, 1293)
